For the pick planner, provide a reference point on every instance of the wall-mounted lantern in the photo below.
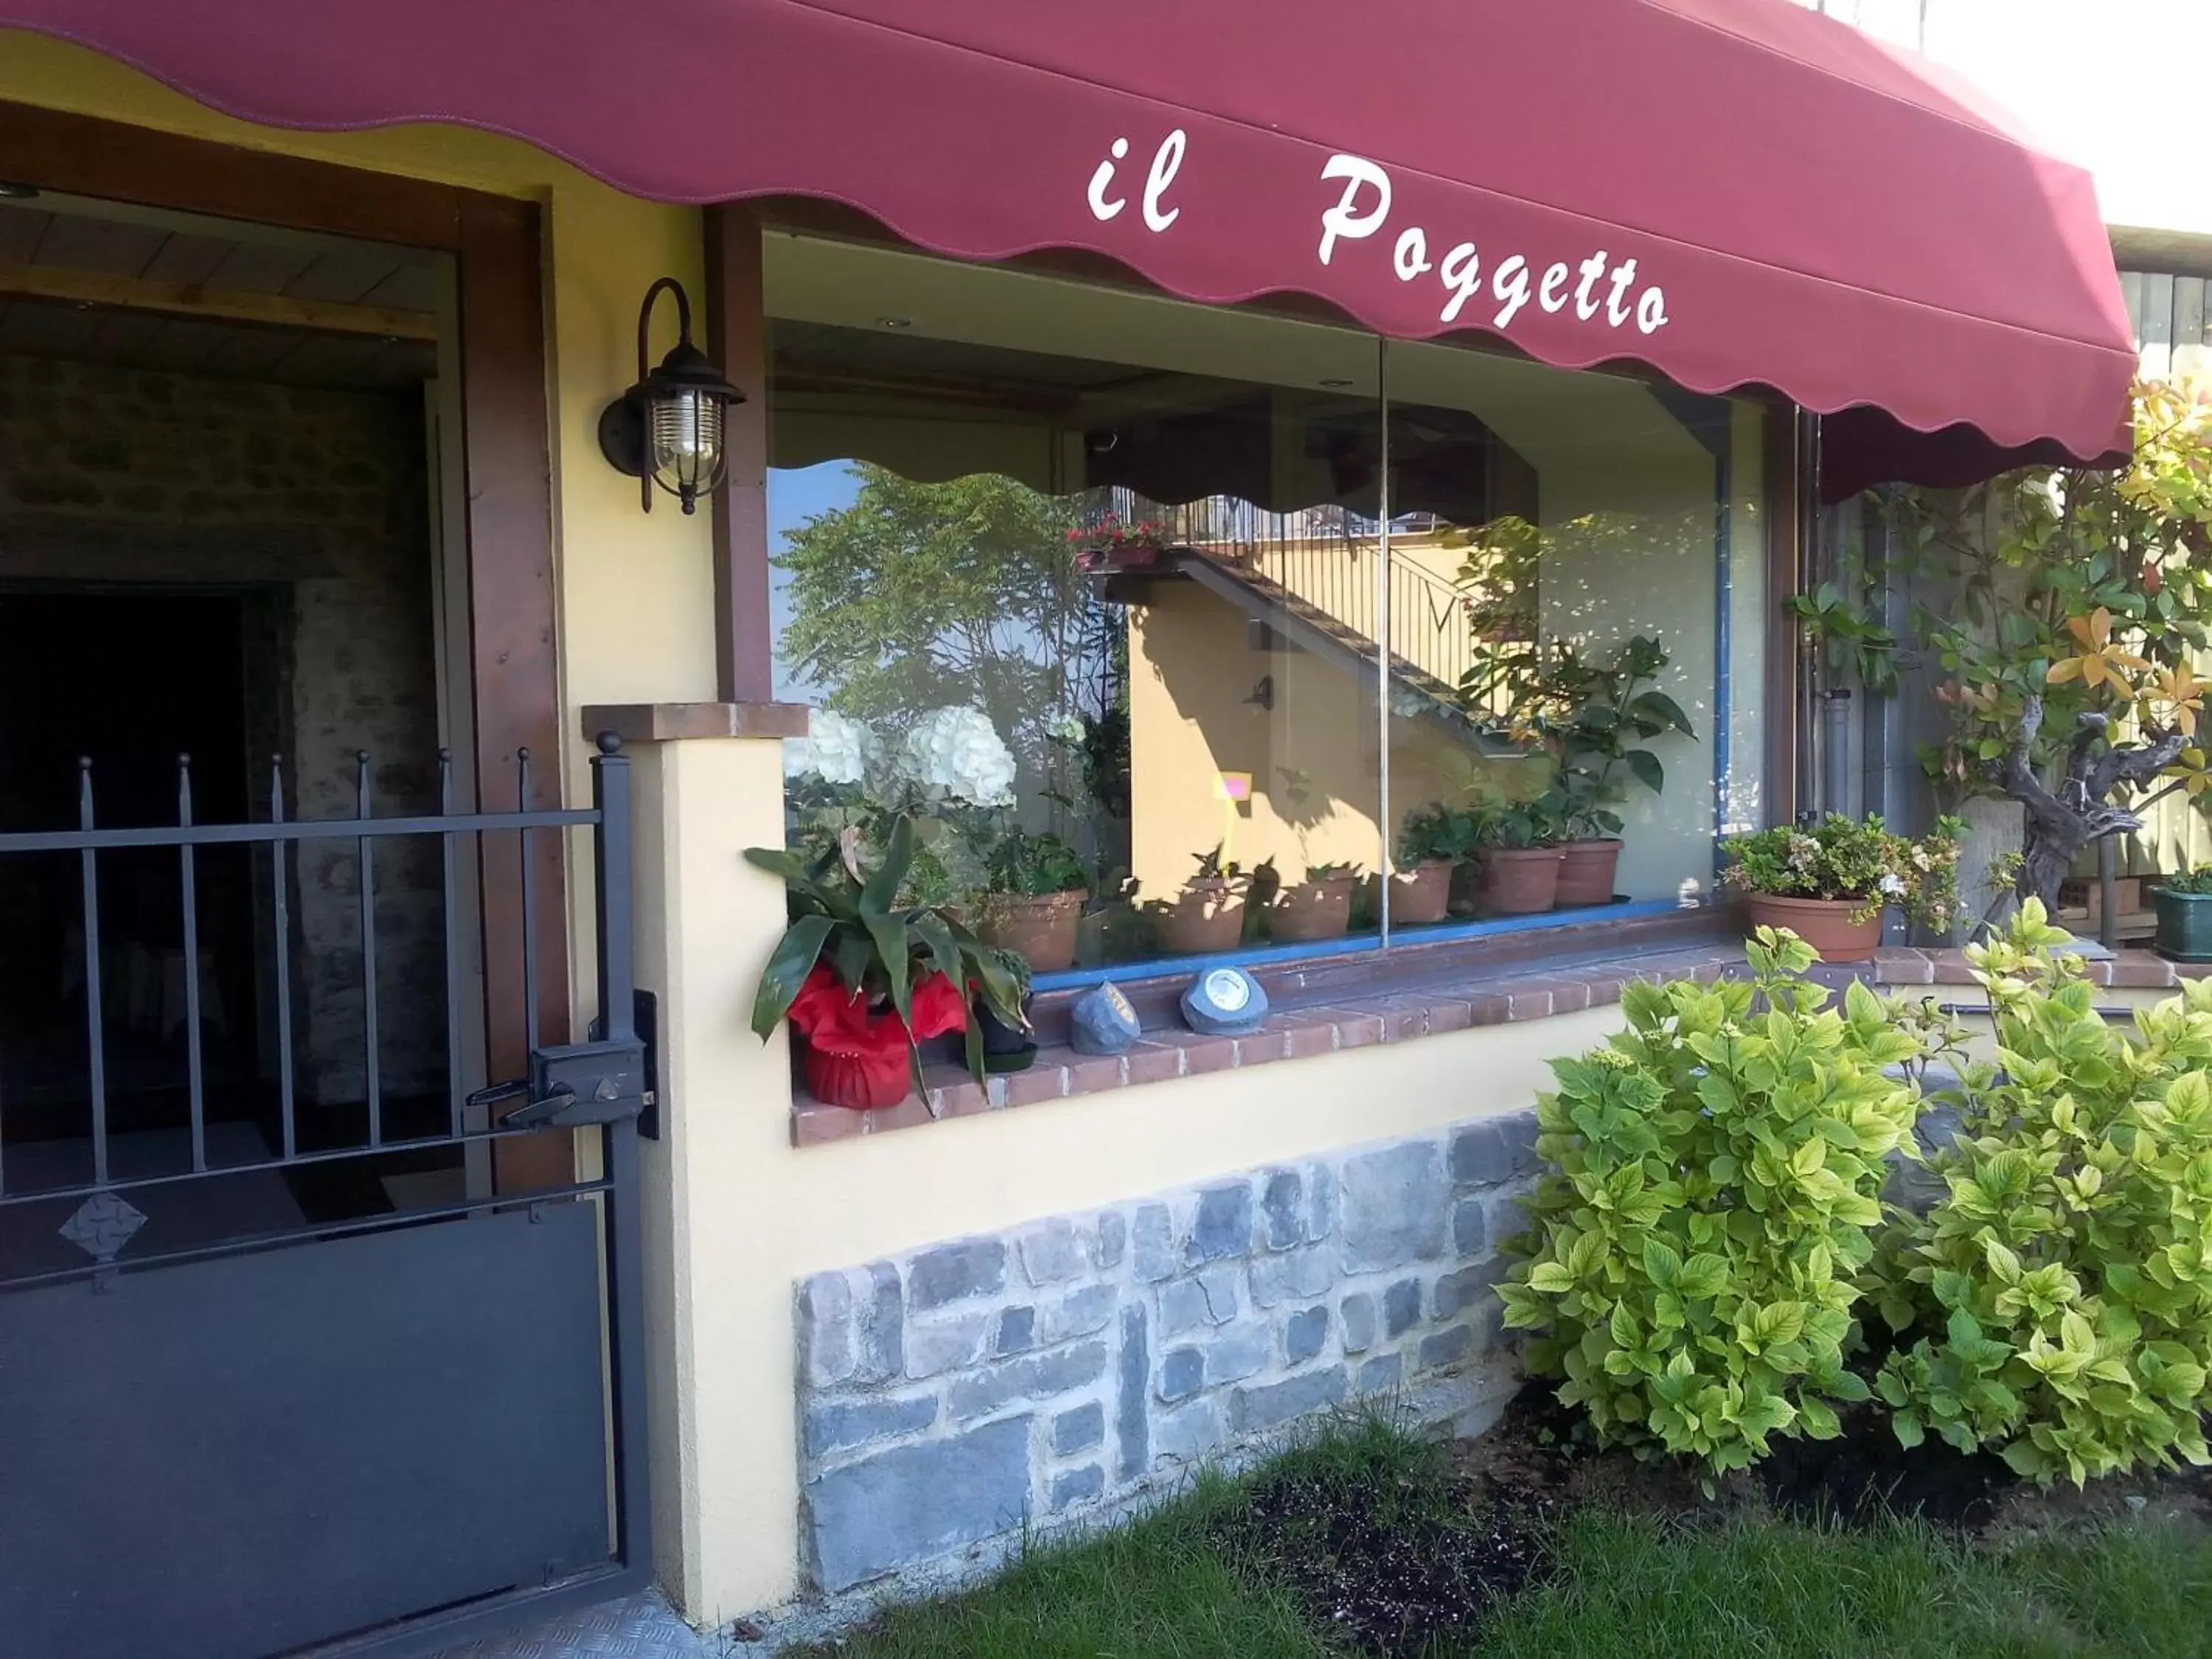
(667, 428)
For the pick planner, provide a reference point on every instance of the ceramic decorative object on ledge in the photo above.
(1102, 1021)
(2185, 916)
(1224, 1002)
(1586, 872)
(1318, 907)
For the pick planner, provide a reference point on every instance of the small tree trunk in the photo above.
(2047, 854)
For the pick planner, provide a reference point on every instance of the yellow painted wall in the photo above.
(745, 1216)
(1191, 668)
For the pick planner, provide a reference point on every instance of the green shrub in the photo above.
(2198, 880)
(1694, 1261)
(2061, 1296)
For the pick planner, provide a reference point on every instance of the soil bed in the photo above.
(1393, 1565)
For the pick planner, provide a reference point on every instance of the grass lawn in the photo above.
(1363, 1544)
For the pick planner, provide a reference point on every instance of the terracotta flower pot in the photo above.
(1314, 910)
(1586, 872)
(1841, 930)
(1422, 895)
(1208, 919)
(1520, 881)
(1044, 928)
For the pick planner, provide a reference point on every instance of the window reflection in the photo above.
(1097, 587)
(1099, 618)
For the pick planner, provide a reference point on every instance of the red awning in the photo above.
(1733, 192)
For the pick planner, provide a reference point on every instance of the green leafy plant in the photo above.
(1035, 863)
(1436, 832)
(1539, 821)
(1332, 872)
(2064, 615)
(2058, 1300)
(1691, 1270)
(2198, 880)
(1593, 719)
(1845, 858)
(846, 917)
(1212, 867)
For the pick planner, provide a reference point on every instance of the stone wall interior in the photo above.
(965, 1390)
(312, 505)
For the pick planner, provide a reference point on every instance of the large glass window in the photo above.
(1096, 585)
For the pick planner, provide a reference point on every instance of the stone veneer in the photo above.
(968, 1389)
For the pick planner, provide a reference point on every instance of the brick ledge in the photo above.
(1295, 1034)
(2130, 970)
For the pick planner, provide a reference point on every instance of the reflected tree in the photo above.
(918, 595)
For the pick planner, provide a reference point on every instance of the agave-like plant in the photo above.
(846, 917)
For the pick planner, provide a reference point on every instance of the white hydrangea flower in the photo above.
(1066, 728)
(956, 751)
(836, 750)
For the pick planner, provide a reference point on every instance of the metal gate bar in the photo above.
(595, 1084)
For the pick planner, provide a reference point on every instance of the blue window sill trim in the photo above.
(1446, 934)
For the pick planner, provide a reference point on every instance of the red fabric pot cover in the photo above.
(861, 1057)
(865, 1082)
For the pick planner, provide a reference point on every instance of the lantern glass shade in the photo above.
(685, 430)
(667, 430)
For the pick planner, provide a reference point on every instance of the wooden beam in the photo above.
(88, 155)
(1787, 488)
(194, 300)
(737, 333)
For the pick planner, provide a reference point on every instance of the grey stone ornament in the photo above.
(1103, 1022)
(1224, 1002)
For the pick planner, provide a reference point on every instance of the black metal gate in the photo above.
(281, 1374)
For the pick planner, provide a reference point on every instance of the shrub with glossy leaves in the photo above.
(1694, 1260)
(2061, 1295)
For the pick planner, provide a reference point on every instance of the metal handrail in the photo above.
(1318, 556)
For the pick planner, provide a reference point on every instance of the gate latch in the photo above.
(581, 1084)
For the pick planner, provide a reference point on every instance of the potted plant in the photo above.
(1520, 841)
(1595, 720)
(1105, 548)
(1033, 903)
(1207, 916)
(1608, 715)
(1830, 882)
(1432, 842)
(1006, 1046)
(1318, 907)
(2184, 915)
(862, 976)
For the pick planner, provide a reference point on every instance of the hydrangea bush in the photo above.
(2058, 1300)
(1693, 1265)
(956, 754)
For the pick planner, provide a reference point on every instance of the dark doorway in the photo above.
(128, 696)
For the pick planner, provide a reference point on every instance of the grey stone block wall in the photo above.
(970, 1388)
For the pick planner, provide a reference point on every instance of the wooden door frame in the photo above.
(497, 244)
